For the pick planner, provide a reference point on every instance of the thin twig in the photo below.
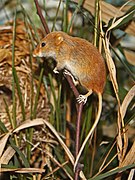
(41, 17)
(78, 122)
(80, 107)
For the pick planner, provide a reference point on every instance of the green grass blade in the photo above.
(46, 88)
(64, 113)
(59, 108)
(7, 111)
(21, 155)
(3, 127)
(96, 22)
(56, 102)
(86, 123)
(48, 97)
(31, 23)
(112, 172)
(13, 66)
(37, 95)
(65, 15)
(19, 92)
(52, 88)
(54, 22)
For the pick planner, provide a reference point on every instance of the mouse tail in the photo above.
(91, 130)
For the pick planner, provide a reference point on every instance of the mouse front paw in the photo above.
(56, 70)
(81, 99)
(66, 72)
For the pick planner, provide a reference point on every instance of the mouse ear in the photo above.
(59, 39)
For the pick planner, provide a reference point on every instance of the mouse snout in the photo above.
(37, 53)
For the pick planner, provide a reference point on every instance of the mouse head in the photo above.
(50, 45)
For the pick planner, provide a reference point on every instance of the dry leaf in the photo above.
(112, 73)
(7, 155)
(69, 154)
(29, 123)
(5, 54)
(3, 142)
(110, 65)
(23, 170)
(130, 95)
(130, 157)
(130, 55)
(131, 28)
(116, 23)
(128, 98)
(131, 174)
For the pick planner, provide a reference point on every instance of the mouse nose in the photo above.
(35, 53)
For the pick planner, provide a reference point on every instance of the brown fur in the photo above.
(78, 56)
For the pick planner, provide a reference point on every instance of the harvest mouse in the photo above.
(82, 60)
(76, 55)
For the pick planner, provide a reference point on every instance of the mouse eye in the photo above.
(43, 44)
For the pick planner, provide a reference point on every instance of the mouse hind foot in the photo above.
(83, 98)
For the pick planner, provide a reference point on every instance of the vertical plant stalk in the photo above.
(96, 22)
(77, 143)
(13, 119)
(13, 68)
(78, 122)
(65, 15)
(56, 15)
(16, 80)
(41, 17)
(79, 114)
(27, 22)
(56, 102)
(37, 95)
